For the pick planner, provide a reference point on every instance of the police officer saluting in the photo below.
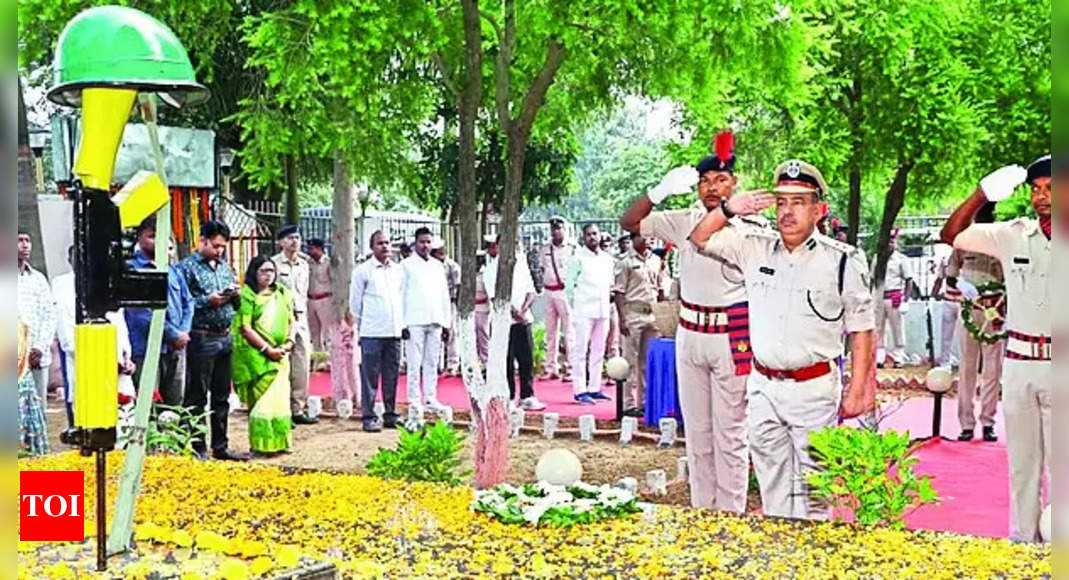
(804, 289)
(712, 341)
(1022, 246)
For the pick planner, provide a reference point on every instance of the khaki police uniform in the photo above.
(636, 279)
(1024, 252)
(950, 312)
(712, 387)
(977, 269)
(320, 317)
(554, 261)
(798, 315)
(482, 317)
(295, 274)
(887, 312)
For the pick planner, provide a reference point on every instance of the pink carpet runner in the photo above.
(972, 478)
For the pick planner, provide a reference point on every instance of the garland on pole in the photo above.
(993, 316)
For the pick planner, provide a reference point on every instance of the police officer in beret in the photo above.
(712, 344)
(1022, 246)
(804, 290)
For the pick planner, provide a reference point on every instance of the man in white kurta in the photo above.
(589, 288)
(427, 320)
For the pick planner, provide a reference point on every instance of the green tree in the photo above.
(919, 95)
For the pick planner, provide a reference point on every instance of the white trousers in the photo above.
(1027, 405)
(971, 354)
(950, 328)
(781, 416)
(422, 350)
(713, 401)
(588, 354)
(320, 323)
(887, 314)
(558, 320)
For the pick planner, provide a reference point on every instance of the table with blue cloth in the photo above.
(662, 384)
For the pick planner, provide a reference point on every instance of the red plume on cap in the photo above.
(724, 145)
(835, 223)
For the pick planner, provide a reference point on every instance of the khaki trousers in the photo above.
(971, 352)
(558, 316)
(713, 401)
(641, 330)
(300, 358)
(781, 416)
(319, 323)
(1027, 405)
(887, 314)
(482, 332)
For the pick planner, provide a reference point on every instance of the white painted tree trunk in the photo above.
(343, 372)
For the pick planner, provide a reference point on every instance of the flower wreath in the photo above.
(988, 330)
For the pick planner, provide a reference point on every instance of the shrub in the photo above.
(172, 430)
(539, 340)
(869, 473)
(429, 454)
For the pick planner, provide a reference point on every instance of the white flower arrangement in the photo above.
(556, 505)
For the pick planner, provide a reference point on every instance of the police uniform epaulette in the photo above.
(1023, 223)
(836, 244)
(764, 233)
(754, 220)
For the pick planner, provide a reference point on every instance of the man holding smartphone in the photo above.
(208, 365)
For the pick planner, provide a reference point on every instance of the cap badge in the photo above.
(793, 169)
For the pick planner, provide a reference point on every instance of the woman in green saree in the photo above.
(263, 337)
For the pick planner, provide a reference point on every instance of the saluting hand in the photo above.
(750, 202)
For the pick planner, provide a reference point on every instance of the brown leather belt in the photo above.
(803, 374)
(212, 331)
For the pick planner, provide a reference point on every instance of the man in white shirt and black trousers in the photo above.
(427, 320)
(521, 343)
(375, 301)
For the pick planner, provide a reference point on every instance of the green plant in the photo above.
(429, 454)
(869, 473)
(172, 430)
(539, 340)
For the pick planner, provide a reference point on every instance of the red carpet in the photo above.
(972, 478)
(556, 395)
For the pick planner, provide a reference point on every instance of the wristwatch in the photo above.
(724, 208)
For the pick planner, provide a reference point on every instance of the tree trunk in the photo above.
(343, 374)
(29, 218)
(488, 408)
(856, 156)
(853, 217)
(293, 209)
(892, 204)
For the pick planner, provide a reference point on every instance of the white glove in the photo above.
(968, 291)
(999, 184)
(677, 181)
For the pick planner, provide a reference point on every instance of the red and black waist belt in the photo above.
(895, 296)
(482, 300)
(554, 287)
(733, 320)
(798, 375)
(319, 296)
(1039, 346)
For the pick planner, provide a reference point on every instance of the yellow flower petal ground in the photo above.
(252, 516)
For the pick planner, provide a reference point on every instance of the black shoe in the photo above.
(989, 434)
(228, 455)
(372, 427)
(200, 454)
(600, 396)
(302, 419)
(389, 423)
(633, 412)
(966, 435)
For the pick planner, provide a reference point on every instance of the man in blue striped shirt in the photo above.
(177, 324)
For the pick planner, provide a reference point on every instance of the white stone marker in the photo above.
(315, 405)
(586, 427)
(681, 468)
(345, 409)
(657, 481)
(628, 483)
(516, 419)
(446, 415)
(627, 429)
(668, 432)
(550, 422)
